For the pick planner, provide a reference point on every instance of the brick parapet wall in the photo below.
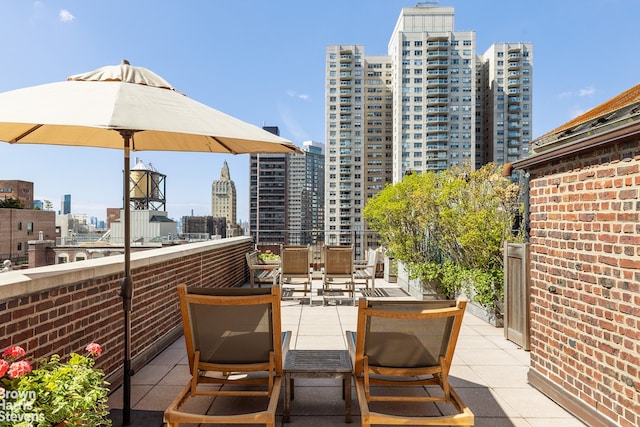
(59, 309)
(585, 279)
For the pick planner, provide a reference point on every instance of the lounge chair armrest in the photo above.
(286, 342)
(351, 346)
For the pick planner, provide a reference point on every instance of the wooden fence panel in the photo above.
(517, 294)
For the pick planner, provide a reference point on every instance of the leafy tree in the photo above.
(450, 226)
(10, 203)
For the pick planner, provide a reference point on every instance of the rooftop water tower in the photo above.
(146, 187)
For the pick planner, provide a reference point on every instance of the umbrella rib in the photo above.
(19, 137)
(223, 145)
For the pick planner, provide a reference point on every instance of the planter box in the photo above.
(415, 287)
(493, 317)
(390, 270)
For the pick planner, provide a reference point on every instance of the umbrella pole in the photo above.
(126, 285)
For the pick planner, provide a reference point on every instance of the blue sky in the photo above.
(263, 62)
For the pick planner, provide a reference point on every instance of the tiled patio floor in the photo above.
(489, 372)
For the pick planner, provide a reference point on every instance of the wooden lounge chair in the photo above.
(294, 269)
(367, 273)
(235, 349)
(407, 344)
(260, 272)
(337, 275)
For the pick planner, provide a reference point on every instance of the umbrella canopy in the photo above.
(132, 109)
(87, 108)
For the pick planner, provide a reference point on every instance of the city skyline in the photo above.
(264, 63)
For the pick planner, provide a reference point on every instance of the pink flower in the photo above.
(14, 352)
(19, 368)
(4, 365)
(94, 349)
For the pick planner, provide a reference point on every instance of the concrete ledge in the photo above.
(25, 282)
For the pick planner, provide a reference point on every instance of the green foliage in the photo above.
(450, 226)
(10, 203)
(55, 391)
(268, 256)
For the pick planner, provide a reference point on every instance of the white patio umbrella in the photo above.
(131, 109)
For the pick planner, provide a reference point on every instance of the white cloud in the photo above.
(587, 91)
(302, 96)
(66, 16)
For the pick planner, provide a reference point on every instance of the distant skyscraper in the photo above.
(224, 201)
(430, 104)
(268, 205)
(66, 204)
(306, 194)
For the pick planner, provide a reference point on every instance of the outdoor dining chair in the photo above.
(295, 272)
(367, 273)
(338, 273)
(260, 272)
(235, 349)
(402, 352)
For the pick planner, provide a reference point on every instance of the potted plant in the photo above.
(53, 391)
(268, 257)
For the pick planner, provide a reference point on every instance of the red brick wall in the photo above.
(585, 279)
(67, 308)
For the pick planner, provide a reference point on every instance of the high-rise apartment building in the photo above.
(434, 89)
(430, 104)
(224, 201)
(506, 82)
(305, 221)
(359, 131)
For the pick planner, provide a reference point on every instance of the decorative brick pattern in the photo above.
(65, 316)
(585, 278)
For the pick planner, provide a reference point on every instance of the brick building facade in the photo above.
(19, 190)
(19, 226)
(584, 218)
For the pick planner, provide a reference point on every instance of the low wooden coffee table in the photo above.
(317, 364)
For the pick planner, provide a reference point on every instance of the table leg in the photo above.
(288, 382)
(347, 397)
